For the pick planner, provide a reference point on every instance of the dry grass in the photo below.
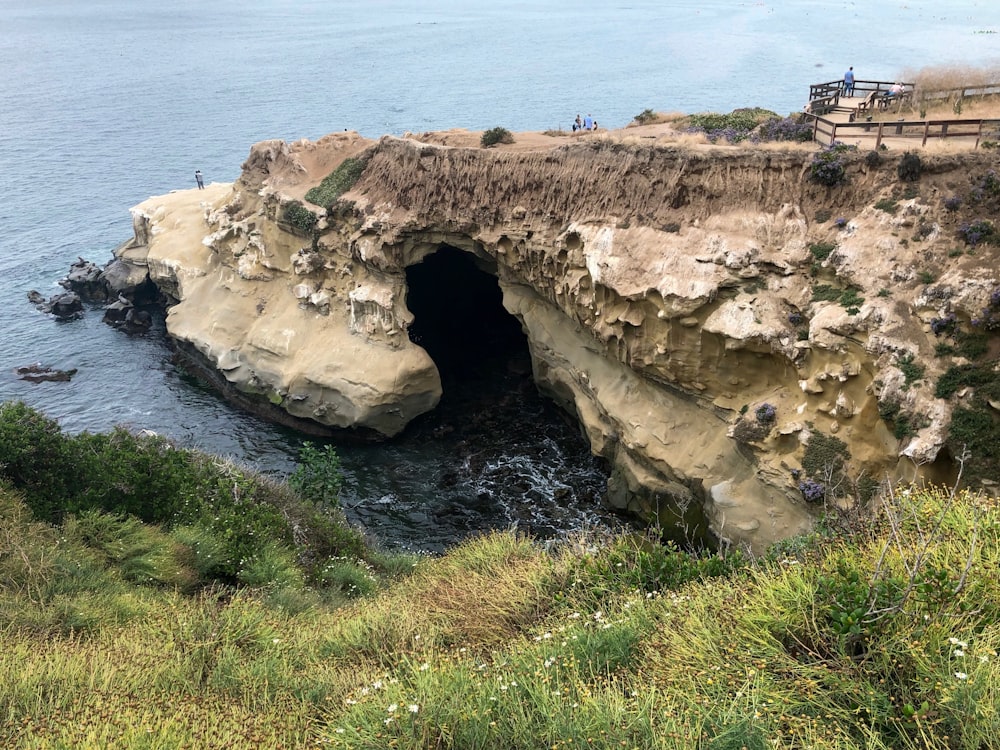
(939, 77)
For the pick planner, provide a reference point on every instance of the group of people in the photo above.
(587, 123)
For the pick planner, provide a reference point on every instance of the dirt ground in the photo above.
(664, 133)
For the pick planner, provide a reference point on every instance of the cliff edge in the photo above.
(706, 313)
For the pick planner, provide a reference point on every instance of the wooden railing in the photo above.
(861, 88)
(964, 92)
(827, 131)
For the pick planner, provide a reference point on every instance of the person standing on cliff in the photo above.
(588, 123)
(197, 178)
(849, 82)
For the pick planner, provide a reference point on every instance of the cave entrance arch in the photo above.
(460, 321)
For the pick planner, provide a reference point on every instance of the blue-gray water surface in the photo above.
(106, 102)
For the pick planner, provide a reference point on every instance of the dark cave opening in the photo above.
(460, 320)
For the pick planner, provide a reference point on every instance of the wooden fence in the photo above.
(827, 131)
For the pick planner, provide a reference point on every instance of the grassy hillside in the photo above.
(875, 633)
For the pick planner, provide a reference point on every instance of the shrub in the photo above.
(785, 129)
(318, 477)
(943, 325)
(645, 117)
(825, 293)
(827, 167)
(496, 135)
(338, 182)
(981, 231)
(909, 167)
(300, 217)
(912, 371)
(821, 250)
(840, 222)
(962, 375)
(733, 127)
(812, 491)
(926, 277)
(873, 159)
(888, 205)
(765, 413)
(952, 204)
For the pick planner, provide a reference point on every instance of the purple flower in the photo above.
(812, 491)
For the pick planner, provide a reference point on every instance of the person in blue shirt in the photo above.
(588, 123)
(849, 82)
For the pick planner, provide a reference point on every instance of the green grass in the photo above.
(595, 643)
(878, 630)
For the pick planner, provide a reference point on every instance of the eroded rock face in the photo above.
(662, 291)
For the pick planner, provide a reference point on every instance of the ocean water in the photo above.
(106, 102)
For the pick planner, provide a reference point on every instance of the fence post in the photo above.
(878, 138)
(979, 134)
(927, 127)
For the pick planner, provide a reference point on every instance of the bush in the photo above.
(300, 217)
(909, 167)
(233, 510)
(338, 182)
(981, 231)
(785, 129)
(827, 167)
(766, 413)
(496, 135)
(645, 117)
(873, 159)
(318, 477)
(888, 205)
(733, 127)
(821, 250)
(952, 204)
(912, 371)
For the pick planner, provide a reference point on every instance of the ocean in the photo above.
(106, 102)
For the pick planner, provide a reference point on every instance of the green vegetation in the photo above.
(300, 217)
(849, 298)
(909, 167)
(881, 634)
(821, 250)
(888, 205)
(496, 135)
(739, 120)
(927, 277)
(646, 117)
(222, 509)
(828, 166)
(338, 182)
(912, 371)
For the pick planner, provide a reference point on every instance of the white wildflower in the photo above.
(392, 708)
(961, 675)
(413, 708)
(424, 667)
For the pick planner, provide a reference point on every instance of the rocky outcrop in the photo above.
(668, 295)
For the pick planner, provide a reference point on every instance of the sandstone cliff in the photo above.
(677, 301)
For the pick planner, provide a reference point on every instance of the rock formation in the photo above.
(697, 309)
